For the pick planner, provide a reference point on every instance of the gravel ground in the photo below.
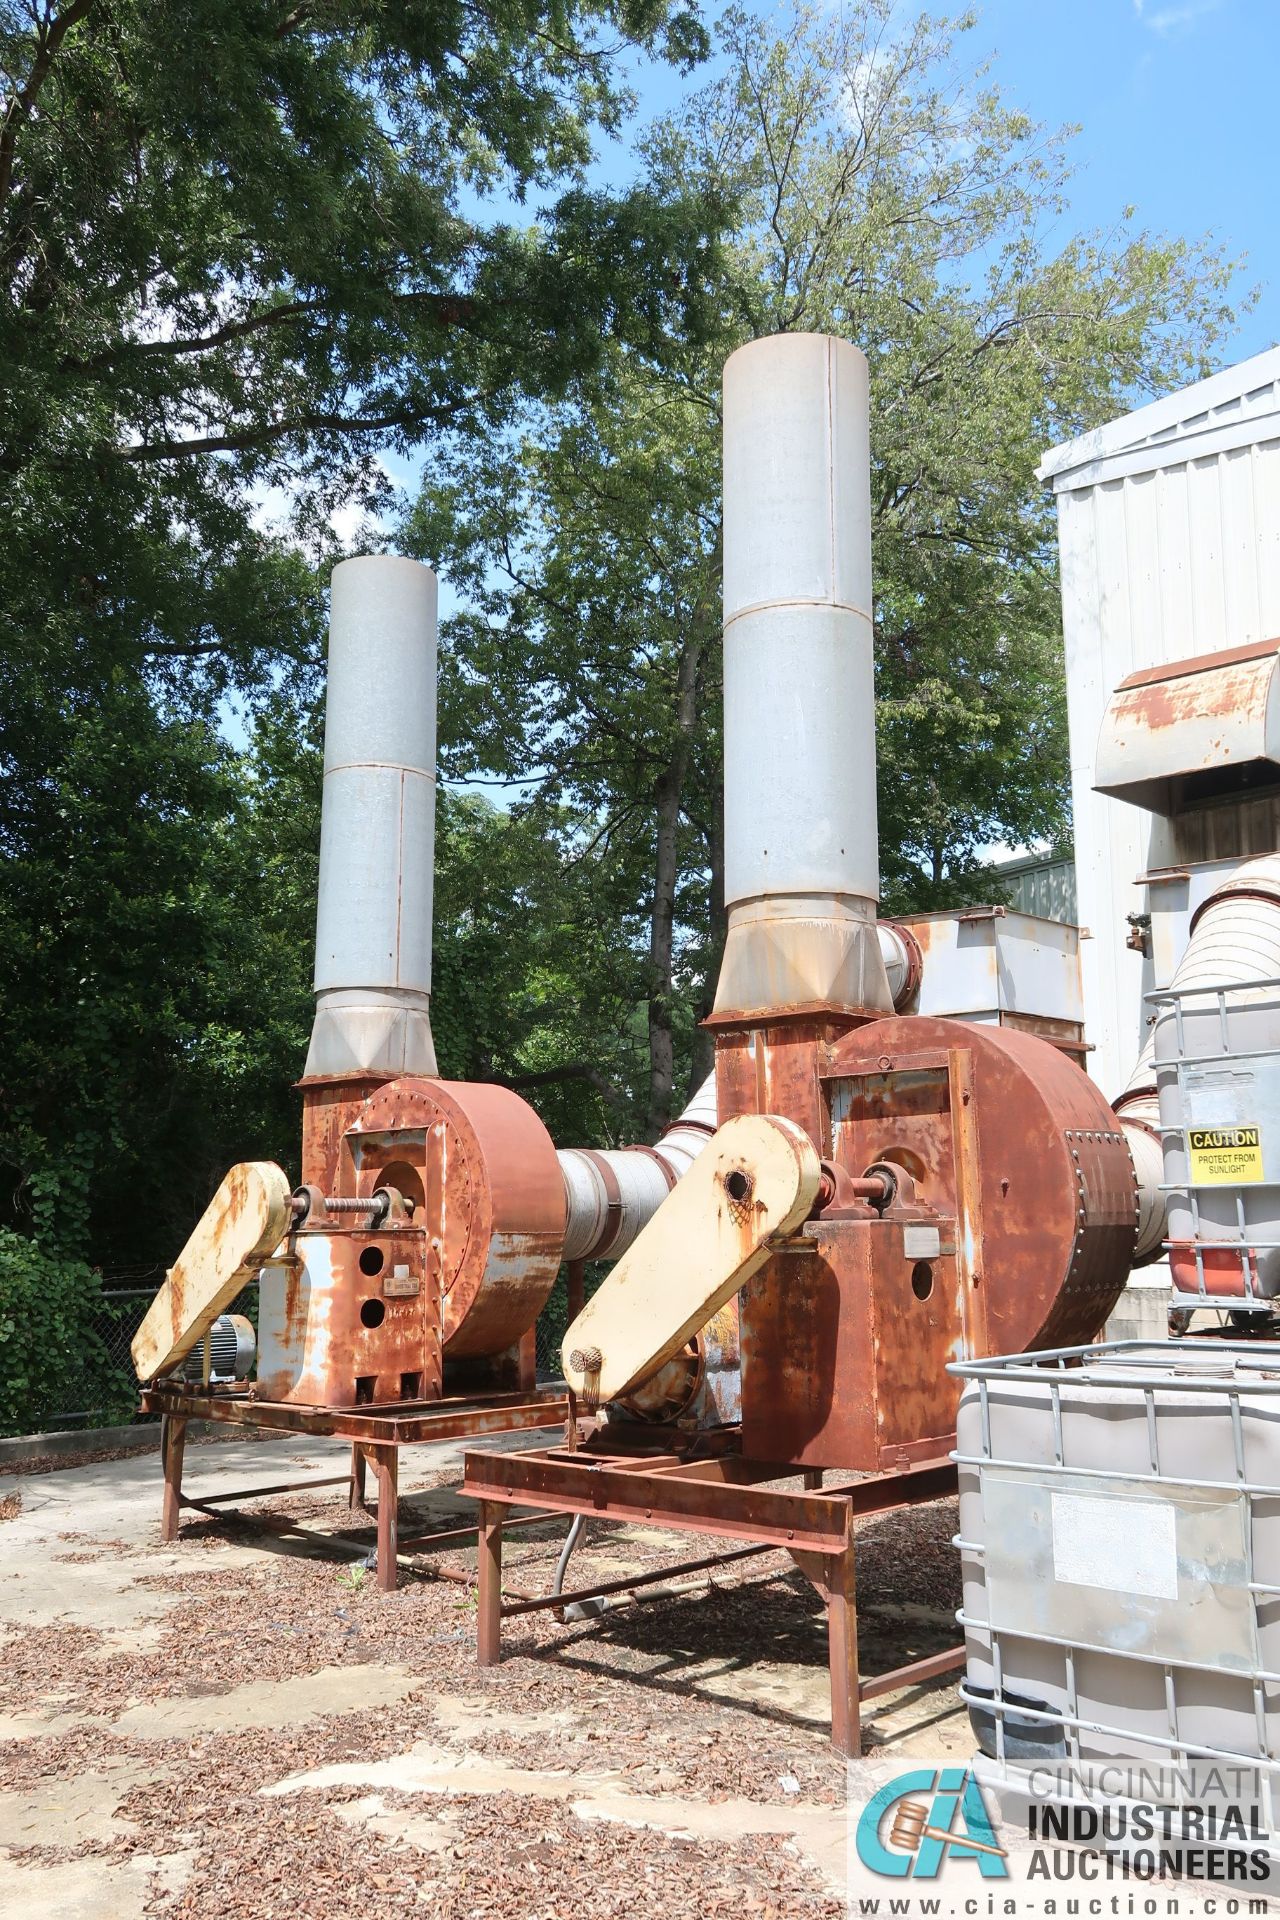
(657, 1709)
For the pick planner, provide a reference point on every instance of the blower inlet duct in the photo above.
(612, 1194)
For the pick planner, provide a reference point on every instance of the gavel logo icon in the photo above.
(910, 1827)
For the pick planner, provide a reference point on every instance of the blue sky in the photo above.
(1176, 101)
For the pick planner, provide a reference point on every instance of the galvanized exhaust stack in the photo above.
(801, 856)
(377, 834)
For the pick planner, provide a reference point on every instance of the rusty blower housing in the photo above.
(377, 1300)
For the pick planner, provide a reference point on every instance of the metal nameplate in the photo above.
(400, 1284)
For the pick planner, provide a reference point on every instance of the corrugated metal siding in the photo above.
(1046, 888)
(1230, 409)
(1158, 564)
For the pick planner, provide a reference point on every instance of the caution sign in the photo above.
(1225, 1156)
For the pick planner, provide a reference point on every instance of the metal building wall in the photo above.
(1043, 887)
(1169, 534)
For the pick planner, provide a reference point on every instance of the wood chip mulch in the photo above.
(613, 1695)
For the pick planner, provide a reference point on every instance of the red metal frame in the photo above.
(376, 1435)
(724, 1495)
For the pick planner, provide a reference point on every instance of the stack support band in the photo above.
(1235, 942)
(377, 832)
(801, 855)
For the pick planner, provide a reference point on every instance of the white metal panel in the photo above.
(801, 856)
(1243, 608)
(1112, 841)
(377, 824)
(978, 965)
(1265, 476)
(1228, 403)
(1169, 531)
(1173, 497)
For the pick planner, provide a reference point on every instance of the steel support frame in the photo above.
(376, 1434)
(407, 1423)
(727, 1497)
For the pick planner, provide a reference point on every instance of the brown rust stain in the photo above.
(1202, 663)
(1228, 692)
(325, 1345)
(329, 1109)
(1020, 1168)
(489, 1175)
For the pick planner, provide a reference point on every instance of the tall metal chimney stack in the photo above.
(377, 832)
(801, 854)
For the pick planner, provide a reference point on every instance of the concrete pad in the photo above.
(424, 1832)
(65, 1813)
(117, 1503)
(268, 1703)
(819, 1832)
(93, 1889)
(470, 1713)
(34, 1725)
(802, 1693)
(935, 1728)
(120, 1499)
(428, 1769)
(104, 1595)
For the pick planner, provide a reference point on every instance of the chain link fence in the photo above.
(103, 1391)
(99, 1388)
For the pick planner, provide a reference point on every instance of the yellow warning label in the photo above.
(1225, 1156)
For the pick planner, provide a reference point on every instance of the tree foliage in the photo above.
(51, 1352)
(879, 188)
(254, 252)
(250, 250)
(587, 658)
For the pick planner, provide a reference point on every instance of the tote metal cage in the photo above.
(1120, 1544)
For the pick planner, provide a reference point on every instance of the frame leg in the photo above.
(842, 1652)
(813, 1479)
(576, 1288)
(359, 1465)
(489, 1622)
(385, 1466)
(173, 1440)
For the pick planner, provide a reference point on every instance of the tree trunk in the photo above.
(669, 792)
(662, 939)
(704, 1043)
(669, 795)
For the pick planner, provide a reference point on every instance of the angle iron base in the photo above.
(724, 1496)
(376, 1435)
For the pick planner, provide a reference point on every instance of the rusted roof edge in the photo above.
(1200, 663)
